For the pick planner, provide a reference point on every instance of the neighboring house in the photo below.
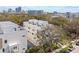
(32, 26)
(12, 38)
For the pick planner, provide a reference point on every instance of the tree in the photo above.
(64, 50)
(59, 21)
(45, 37)
(72, 28)
(50, 39)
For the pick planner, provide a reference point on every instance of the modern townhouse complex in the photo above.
(33, 26)
(12, 38)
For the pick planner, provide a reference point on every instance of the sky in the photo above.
(45, 8)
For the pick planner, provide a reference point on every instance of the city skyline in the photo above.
(45, 8)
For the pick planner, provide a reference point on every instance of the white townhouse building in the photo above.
(32, 26)
(12, 38)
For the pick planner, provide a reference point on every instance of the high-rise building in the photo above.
(55, 12)
(18, 9)
(9, 10)
(68, 14)
(34, 12)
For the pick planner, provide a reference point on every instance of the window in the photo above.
(5, 41)
(15, 29)
(21, 29)
(23, 35)
(15, 47)
(3, 50)
(1, 32)
(23, 48)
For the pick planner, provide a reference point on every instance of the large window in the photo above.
(14, 29)
(5, 41)
(3, 50)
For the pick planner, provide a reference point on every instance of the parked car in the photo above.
(77, 43)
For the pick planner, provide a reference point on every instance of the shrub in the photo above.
(55, 46)
(64, 50)
(34, 49)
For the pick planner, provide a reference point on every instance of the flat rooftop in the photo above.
(7, 26)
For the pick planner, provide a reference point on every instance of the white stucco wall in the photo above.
(19, 36)
(32, 26)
